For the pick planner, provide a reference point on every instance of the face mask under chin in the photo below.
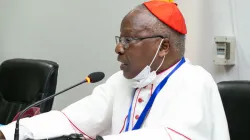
(146, 77)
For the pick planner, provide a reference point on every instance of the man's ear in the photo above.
(165, 48)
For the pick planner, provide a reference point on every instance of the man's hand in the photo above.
(1, 136)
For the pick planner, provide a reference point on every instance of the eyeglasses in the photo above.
(126, 40)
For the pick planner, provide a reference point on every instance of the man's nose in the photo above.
(119, 49)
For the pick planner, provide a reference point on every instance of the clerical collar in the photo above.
(168, 68)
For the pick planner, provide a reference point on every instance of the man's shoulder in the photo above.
(199, 73)
(197, 80)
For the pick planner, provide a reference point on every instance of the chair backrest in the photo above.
(236, 101)
(24, 81)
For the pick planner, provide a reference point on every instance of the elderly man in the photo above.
(156, 95)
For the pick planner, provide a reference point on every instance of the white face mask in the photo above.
(146, 77)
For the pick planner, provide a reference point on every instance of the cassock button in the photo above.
(140, 100)
(137, 117)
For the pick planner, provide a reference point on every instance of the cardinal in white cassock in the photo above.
(157, 95)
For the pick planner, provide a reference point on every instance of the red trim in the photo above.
(179, 133)
(162, 71)
(123, 124)
(135, 107)
(167, 68)
(169, 136)
(77, 127)
(152, 89)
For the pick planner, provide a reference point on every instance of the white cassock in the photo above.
(187, 107)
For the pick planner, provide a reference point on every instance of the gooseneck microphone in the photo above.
(91, 78)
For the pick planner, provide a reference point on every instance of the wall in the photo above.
(73, 33)
(208, 18)
(78, 35)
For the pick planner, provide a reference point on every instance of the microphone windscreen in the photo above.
(96, 77)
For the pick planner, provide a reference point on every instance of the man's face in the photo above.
(138, 53)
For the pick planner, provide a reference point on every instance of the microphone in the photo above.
(91, 78)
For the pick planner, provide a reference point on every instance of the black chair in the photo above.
(236, 101)
(24, 81)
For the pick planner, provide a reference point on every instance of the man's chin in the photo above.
(128, 75)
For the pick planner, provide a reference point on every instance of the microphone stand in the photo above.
(16, 136)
